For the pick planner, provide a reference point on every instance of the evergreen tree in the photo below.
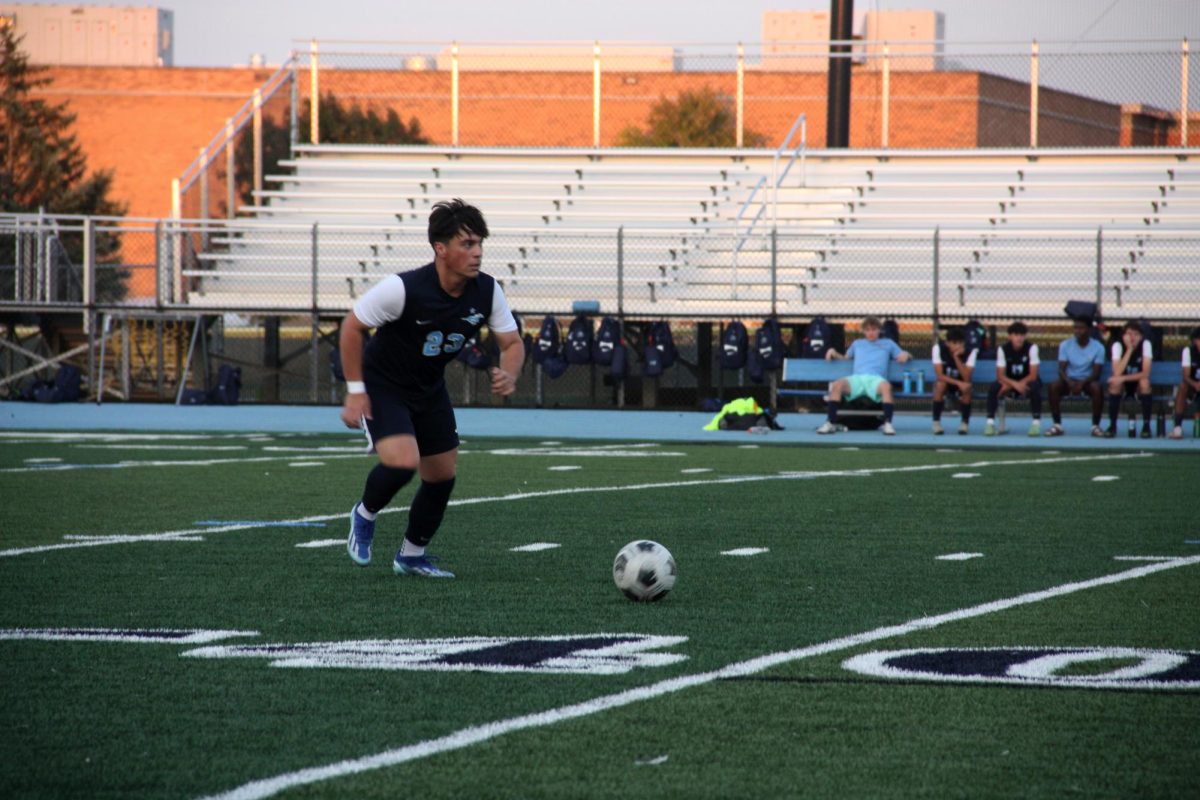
(341, 123)
(694, 119)
(42, 166)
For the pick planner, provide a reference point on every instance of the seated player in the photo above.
(1189, 388)
(1017, 367)
(871, 355)
(952, 366)
(1080, 360)
(1132, 355)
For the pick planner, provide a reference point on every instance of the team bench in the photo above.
(1164, 374)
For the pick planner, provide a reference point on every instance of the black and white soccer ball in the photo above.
(644, 571)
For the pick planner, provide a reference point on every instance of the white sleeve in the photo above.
(501, 319)
(1001, 359)
(1034, 358)
(1147, 350)
(382, 303)
(971, 359)
(1186, 360)
(1118, 350)
(937, 354)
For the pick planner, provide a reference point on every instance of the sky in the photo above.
(228, 32)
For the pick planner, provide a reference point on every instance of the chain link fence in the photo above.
(919, 95)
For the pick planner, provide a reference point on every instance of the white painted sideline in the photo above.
(481, 733)
(468, 501)
(206, 462)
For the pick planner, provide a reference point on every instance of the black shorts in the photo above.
(430, 419)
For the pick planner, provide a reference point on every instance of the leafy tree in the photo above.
(341, 123)
(694, 119)
(42, 166)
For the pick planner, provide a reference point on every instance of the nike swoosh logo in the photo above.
(424, 322)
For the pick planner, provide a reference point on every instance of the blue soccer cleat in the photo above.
(421, 566)
(362, 533)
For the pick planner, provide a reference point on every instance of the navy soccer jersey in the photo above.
(1017, 363)
(420, 328)
(1141, 354)
(943, 356)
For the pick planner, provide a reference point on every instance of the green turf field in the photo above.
(135, 533)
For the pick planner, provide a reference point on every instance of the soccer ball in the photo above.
(644, 571)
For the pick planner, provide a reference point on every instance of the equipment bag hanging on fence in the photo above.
(578, 347)
(660, 337)
(228, 388)
(547, 343)
(733, 346)
(606, 340)
(768, 341)
(818, 339)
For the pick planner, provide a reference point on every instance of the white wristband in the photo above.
(356, 387)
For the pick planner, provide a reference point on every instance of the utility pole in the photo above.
(837, 116)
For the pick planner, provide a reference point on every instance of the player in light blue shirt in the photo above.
(871, 356)
(1080, 360)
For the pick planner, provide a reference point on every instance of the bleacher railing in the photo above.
(219, 266)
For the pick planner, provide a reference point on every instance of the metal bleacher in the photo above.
(1004, 232)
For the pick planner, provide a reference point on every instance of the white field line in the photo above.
(467, 737)
(160, 446)
(1145, 558)
(322, 543)
(505, 498)
(74, 436)
(206, 462)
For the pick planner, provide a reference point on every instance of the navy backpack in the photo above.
(578, 347)
(607, 338)
(733, 346)
(768, 343)
(660, 337)
(547, 343)
(818, 339)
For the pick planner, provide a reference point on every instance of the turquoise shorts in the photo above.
(863, 385)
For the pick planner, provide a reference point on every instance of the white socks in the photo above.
(367, 515)
(410, 550)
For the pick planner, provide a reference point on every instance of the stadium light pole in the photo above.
(741, 94)
(314, 95)
(837, 115)
(1183, 97)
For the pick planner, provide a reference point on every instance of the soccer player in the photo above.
(953, 366)
(1017, 366)
(396, 388)
(1132, 355)
(1189, 389)
(1080, 360)
(871, 356)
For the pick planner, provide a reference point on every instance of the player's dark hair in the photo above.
(448, 219)
(956, 334)
(872, 322)
(1018, 327)
(1133, 325)
(1195, 333)
(1082, 321)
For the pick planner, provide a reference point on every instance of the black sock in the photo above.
(1147, 408)
(1114, 410)
(1057, 417)
(993, 400)
(1179, 420)
(428, 508)
(938, 406)
(1035, 401)
(888, 410)
(964, 408)
(382, 485)
(833, 410)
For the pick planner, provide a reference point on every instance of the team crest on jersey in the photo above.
(1068, 667)
(584, 654)
(474, 318)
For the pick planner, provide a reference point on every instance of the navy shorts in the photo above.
(429, 419)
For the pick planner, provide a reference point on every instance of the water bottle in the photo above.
(1161, 429)
(1132, 426)
(907, 383)
(920, 381)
